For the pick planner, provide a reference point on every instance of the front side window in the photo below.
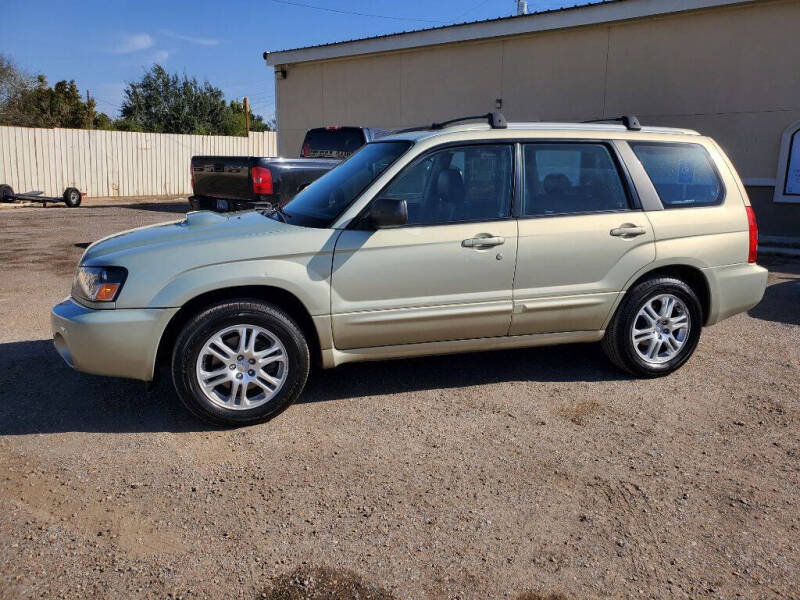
(323, 201)
(681, 173)
(570, 178)
(457, 184)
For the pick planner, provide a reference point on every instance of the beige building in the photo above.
(727, 68)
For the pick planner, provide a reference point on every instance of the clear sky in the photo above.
(102, 44)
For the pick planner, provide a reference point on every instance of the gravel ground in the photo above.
(540, 473)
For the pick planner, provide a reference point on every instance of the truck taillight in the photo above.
(262, 181)
(753, 229)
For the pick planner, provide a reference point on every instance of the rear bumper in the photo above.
(734, 289)
(115, 342)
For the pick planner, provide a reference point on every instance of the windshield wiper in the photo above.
(273, 209)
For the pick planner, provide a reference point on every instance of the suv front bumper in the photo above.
(114, 342)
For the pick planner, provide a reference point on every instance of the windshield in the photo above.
(323, 201)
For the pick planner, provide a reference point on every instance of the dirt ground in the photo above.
(540, 473)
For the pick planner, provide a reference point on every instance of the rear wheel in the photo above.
(72, 197)
(240, 362)
(655, 329)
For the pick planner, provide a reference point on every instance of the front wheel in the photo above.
(240, 362)
(655, 329)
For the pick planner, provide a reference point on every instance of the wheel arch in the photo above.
(274, 295)
(693, 277)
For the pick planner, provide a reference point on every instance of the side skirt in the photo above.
(332, 357)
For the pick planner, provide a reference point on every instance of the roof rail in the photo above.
(496, 120)
(630, 121)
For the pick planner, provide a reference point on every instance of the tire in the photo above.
(218, 402)
(662, 346)
(5, 192)
(72, 197)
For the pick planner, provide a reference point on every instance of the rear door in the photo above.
(581, 237)
(448, 273)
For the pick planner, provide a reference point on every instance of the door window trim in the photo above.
(634, 202)
(359, 220)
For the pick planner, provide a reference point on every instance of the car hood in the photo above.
(243, 248)
(200, 227)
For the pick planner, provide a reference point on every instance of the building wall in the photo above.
(728, 72)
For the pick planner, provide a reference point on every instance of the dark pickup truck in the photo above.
(225, 183)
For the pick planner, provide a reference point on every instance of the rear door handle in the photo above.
(483, 240)
(627, 230)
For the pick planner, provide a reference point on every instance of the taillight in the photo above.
(262, 181)
(306, 149)
(753, 229)
(191, 175)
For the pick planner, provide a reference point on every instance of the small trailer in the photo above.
(72, 197)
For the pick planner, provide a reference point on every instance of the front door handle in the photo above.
(627, 230)
(483, 240)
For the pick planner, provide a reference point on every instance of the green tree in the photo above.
(167, 103)
(27, 101)
(235, 120)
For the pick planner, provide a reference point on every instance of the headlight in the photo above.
(98, 284)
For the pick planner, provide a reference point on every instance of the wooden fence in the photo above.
(113, 163)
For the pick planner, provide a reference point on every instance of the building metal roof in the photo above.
(592, 13)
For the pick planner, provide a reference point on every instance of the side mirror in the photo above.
(388, 212)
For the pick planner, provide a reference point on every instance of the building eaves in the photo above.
(593, 13)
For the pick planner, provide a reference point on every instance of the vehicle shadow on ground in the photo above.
(41, 394)
(165, 207)
(781, 302)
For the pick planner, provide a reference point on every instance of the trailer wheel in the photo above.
(6, 191)
(72, 197)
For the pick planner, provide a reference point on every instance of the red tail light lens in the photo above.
(262, 181)
(753, 228)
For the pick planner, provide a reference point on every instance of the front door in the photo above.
(581, 238)
(448, 273)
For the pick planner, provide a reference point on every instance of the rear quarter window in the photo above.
(682, 174)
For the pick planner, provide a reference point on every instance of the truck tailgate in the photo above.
(222, 177)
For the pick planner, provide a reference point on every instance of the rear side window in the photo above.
(332, 142)
(571, 178)
(681, 173)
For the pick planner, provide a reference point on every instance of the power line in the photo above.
(479, 4)
(352, 12)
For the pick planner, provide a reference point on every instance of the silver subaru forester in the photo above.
(436, 240)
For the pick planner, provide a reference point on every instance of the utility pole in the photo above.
(246, 103)
(522, 7)
(91, 112)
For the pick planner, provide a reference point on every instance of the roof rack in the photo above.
(630, 121)
(496, 120)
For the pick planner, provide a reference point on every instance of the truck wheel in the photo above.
(655, 329)
(6, 191)
(72, 197)
(240, 362)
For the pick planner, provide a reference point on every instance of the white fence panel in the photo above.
(113, 163)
